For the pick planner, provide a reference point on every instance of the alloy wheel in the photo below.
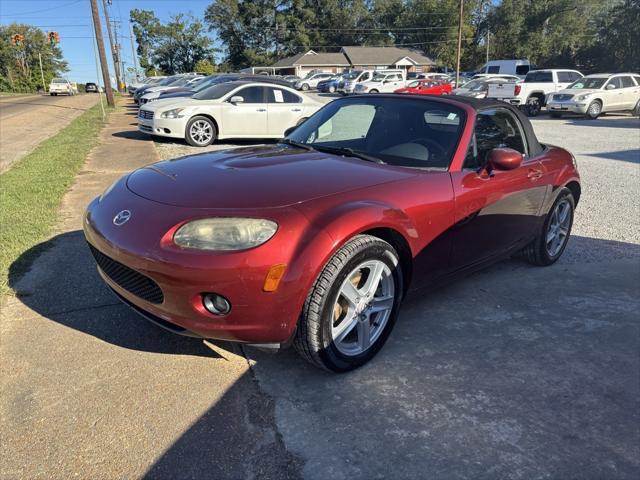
(201, 132)
(558, 230)
(594, 109)
(363, 307)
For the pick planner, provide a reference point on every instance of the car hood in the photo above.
(578, 91)
(256, 177)
(179, 102)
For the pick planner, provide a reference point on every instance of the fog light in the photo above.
(216, 304)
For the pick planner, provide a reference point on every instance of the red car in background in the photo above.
(427, 87)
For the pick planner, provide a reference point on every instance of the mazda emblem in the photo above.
(122, 217)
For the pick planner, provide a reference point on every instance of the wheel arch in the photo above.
(206, 115)
(575, 189)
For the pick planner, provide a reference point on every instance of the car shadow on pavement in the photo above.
(133, 135)
(631, 156)
(609, 121)
(65, 287)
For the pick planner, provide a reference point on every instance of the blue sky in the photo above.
(72, 19)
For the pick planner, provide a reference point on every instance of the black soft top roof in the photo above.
(479, 104)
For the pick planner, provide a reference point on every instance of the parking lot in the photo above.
(517, 372)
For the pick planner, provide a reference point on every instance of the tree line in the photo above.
(20, 63)
(591, 35)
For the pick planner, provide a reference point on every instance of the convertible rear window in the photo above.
(406, 132)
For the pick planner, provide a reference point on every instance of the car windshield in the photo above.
(414, 84)
(215, 91)
(378, 77)
(405, 131)
(588, 83)
(58, 80)
(352, 75)
(180, 81)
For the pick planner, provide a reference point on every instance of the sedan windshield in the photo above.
(593, 83)
(405, 132)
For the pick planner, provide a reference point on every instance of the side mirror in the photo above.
(504, 159)
(611, 86)
(290, 130)
(236, 99)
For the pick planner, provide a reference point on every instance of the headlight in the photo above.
(175, 113)
(583, 97)
(225, 233)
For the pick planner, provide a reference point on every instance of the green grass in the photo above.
(32, 189)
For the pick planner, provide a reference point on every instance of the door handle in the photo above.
(261, 110)
(534, 174)
(296, 109)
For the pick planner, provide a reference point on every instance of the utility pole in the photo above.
(488, 36)
(103, 57)
(44, 87)
(459, 42)
(114, 46)
(133, 51)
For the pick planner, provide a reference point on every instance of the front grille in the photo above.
(146, 114)
(145, 128)
(132, 281)
(562, 97)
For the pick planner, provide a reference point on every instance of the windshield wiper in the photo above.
(304, 146)
(349, 152)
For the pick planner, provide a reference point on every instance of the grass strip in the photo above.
(32, 189)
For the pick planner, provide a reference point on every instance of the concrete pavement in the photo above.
(25, 121)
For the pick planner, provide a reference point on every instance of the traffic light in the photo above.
(17, 39)
(53, 38)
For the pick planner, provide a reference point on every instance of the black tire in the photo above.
(636, 110)
(313, 339)
(533, 107)
(193, 140)
(332, 89)
(373, 91)
(304, 87)
(593, 110)
(556, 115)
(536, 252)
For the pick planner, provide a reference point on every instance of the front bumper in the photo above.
(163, 127)
(568, 107)
(184, 275)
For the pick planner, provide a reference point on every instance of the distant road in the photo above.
(25, 121)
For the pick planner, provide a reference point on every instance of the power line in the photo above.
(20, 14)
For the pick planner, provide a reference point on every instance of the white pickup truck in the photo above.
(532, 94)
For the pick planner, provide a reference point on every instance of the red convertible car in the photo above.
(314, 241)
(427, 87)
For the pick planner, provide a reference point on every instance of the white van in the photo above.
(509, 67)
(352, 78)
(383, 81)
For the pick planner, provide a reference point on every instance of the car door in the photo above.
(613, 95)
(496, 212)
(247, 118)
(630, 92)
(284, 110)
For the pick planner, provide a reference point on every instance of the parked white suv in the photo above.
(595, 94)
(532, 94)
(308, 83)
(354, 78)
(383, 81)
(61, 86)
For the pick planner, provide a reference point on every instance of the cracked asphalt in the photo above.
(517, 372)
